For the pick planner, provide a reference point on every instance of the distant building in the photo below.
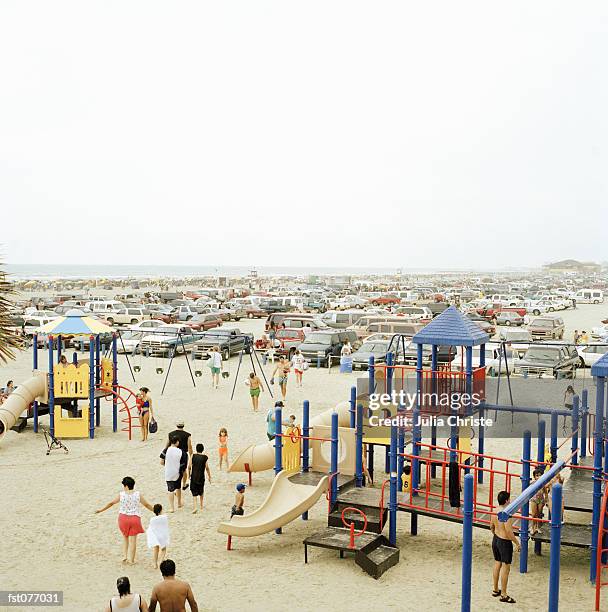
(572, 265)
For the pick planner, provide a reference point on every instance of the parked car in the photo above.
(341, 319)
(517, 339)
(293, 319)
(421, 313)
(591, 353)
(168, 340)
(230, 341)
(376, 349)
(509, 318)
(129, 342)
(146, 326)
(556, 360)
(445, 354)
(534, 307)
(162, 312)
(490, 311)
(485, 326)
(254, 312)
(204, 322)
(589, 296)
(126, 316)
(186, 312)
(547, 328)
(385, 300)
(324, 344)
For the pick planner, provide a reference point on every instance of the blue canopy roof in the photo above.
(74, 323)
(451, 328)
(600, 367)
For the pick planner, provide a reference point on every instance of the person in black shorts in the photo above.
(502, 549)
(199, 466)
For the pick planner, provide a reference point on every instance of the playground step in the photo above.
(377, 557)
(349, 499)
(373, 519)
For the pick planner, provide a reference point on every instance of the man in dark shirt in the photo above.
(185, 445)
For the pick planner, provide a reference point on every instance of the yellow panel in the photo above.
(71, 380)
(107, 372)
(291, 454)
(67, 427)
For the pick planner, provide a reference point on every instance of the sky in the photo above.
(256, 132)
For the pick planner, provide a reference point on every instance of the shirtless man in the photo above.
(502, 547)
(171, 594)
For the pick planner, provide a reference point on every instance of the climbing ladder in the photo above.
(124, 395)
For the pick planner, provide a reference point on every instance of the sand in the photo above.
(53, 540)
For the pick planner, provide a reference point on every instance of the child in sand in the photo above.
(538, 502)
(239, 501)
(223, 446)
(158, 535)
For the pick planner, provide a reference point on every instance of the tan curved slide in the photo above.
(260, 457)
(285, 502)
(19, 400)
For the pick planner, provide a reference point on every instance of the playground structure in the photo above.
(59, 391)
(353, 507)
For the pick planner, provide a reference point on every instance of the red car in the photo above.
(385, 300)
(203, 322)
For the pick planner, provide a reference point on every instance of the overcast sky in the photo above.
(429, 134)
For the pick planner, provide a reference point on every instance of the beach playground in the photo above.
(59, 543)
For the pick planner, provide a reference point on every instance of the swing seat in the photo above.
(225, 374)
(136, 368)
(159, 370)
(198, 373)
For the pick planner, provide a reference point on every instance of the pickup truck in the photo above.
(168, 340)
(558, 361)
(230, 342)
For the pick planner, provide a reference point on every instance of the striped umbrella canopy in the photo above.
(74, 323)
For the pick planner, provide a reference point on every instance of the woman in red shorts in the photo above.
(129, 517)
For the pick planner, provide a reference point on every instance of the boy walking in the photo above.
(199, 466)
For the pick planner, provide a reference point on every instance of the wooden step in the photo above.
(372, 514)
(377, 557)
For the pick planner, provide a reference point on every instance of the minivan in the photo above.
(405, 328)
(421, 313)
(292, 319)
(547, 328)
(589, 296)
(105, 308)
(341, 319)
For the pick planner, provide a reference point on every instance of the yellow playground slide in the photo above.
(285, 502)
(19, 400)
(260, 457)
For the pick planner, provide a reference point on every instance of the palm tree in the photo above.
(9, 339)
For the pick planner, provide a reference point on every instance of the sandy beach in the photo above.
(53, 539)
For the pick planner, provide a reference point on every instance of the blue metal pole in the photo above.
(467, 544)
(584, 422)
(97, 378)
(525, 509)
(306, 435)
(91, 387)
(597, 472)
(392, 503)
(389, 372)
(575, 432)
(556, 539)
(334, 458)
(51, 387)
(540, 457)
(59, 348)
(359, 447)
(353, 406)
(278, 446)
(35, 364)
(371, 375)
(114, 382)
(553, 437)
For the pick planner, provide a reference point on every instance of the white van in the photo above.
(420, 313)
(341, 319)
(362, 325)
(589, 296)
(105, 308)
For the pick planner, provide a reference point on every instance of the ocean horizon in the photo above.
(83, 271)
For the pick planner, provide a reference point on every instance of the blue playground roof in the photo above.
(451, 328)
(600, 367)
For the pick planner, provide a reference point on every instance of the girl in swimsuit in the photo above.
(223, 446)
(144, 410)
(283, 368)
(538, 502)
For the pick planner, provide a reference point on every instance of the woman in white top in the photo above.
(297, 361)
(126, 601)
(346, 348)
(215, 363)
(129, 517)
